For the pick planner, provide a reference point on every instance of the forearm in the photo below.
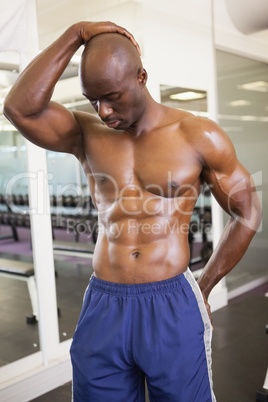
(232, 245)
(34, 87)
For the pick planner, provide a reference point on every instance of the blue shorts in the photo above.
(158, 330)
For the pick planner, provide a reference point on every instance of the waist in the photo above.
(137, 288)
(140, 263)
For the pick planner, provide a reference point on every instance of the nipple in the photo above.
(173, 184)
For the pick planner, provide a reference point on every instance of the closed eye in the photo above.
(114, 97)
(92, 101)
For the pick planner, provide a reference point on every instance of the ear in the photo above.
(142, 77)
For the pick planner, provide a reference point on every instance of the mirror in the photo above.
(19, 329)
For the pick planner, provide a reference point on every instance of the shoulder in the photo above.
(87, 121)
(210, 141)
(199, 129)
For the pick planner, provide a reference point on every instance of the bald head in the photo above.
(110, 51)
(113, 79)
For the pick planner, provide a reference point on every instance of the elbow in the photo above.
(9, 111)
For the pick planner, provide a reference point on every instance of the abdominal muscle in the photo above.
(141, 250)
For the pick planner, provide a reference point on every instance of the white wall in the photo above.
(55, 17)
(229, 38)
(177, 44)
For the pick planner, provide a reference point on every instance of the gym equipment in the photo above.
(7, 218)
(23, 271)
(75, 214)
(201, 223)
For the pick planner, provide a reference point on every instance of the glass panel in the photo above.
(243, 106)
(18, 330)
(200, 236)
(73, 219)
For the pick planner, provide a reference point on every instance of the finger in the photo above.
(133, 40)
(125, 32)
(138, 48)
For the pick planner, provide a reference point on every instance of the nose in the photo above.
(104, 110)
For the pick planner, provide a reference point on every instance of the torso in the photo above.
(144, 189)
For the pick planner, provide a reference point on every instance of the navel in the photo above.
(135, 254)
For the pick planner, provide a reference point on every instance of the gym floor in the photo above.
(239, 346)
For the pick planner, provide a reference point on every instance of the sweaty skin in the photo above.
(145, 162)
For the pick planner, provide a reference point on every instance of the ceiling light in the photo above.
(187, 96)
(239, 102)
(260, 86)
(248, 118)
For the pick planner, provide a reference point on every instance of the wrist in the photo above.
(204, 287)
(85, 30)
(77, 30)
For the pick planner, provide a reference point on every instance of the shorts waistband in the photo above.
(136, 289)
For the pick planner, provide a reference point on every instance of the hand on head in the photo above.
(91, 29)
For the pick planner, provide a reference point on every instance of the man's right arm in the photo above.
(28, 105)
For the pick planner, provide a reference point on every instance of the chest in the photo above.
(163, 165)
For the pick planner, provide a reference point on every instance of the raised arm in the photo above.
(28, 105)
(234, 189)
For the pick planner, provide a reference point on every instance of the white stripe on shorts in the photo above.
(207, 324)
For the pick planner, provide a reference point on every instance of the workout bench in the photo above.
(23, 271)
(74, 249)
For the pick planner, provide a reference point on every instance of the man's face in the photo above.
(114, 93)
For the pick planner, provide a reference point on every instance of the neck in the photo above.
(149, 116)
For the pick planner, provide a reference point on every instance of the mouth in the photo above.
(112, 124)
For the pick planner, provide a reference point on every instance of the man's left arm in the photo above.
(234, 189)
